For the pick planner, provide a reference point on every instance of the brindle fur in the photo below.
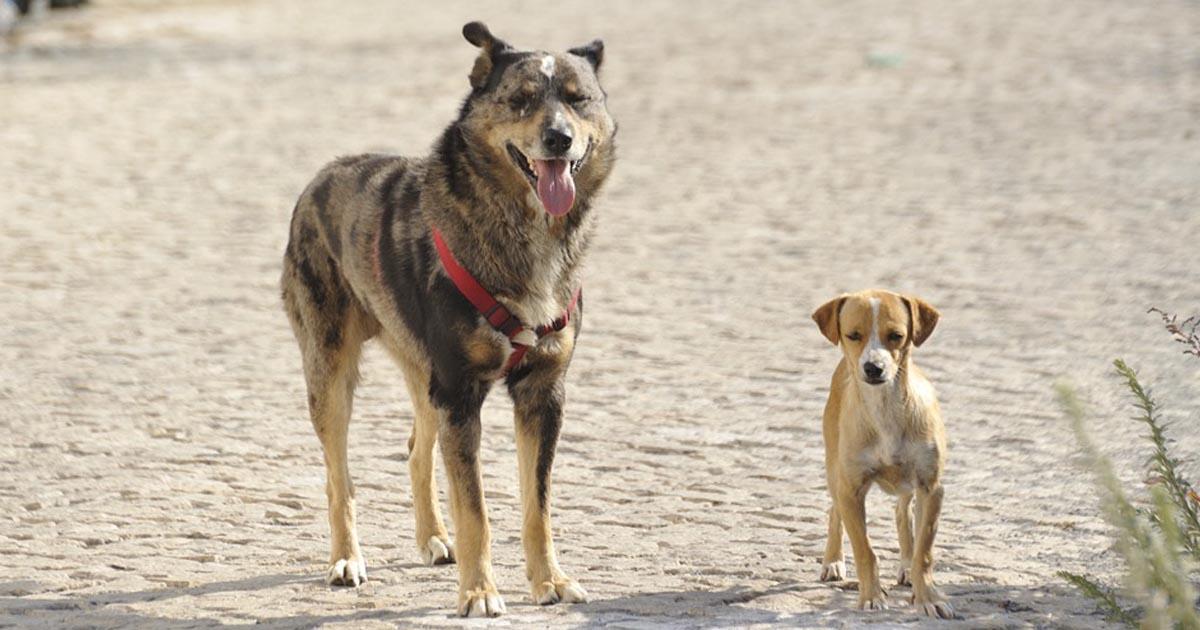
(360, 264)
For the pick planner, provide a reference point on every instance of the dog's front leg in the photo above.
(459, 438)
(851, 505)
(833, 567)
(926, 596)
(538, 409)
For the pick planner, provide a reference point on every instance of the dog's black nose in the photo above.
(873, 372)
(557, 141)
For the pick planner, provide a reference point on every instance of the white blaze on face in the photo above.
(876, 352)
(548, 66)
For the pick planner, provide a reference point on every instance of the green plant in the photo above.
(1104, 597)
(1163, 468)
(1158, 544)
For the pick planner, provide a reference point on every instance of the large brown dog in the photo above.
(883, 426)
(509, 188)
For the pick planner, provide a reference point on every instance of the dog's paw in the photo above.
(875, 601)
(563, 590)
(833, 571)
(484, 602)
(933, 604)
(347, 572)
(904, 577)
(437, 551)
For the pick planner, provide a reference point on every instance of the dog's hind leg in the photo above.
(433, 542)
(330, 328)
(331, 381)
(538, 411)
(904, 532)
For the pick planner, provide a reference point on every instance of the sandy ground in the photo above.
(1031, 168)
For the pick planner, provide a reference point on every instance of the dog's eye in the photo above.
(521, 101)
(576, 98)
(895, 336)
(854, 336)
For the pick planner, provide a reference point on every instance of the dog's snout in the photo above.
(873, 371)
(557, 141)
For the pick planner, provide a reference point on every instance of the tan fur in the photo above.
(487, 349)
(431, 531)
(889, 434)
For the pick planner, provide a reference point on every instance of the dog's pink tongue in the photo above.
(555, 186)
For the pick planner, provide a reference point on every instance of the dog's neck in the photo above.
(500, 233)
(886, 403)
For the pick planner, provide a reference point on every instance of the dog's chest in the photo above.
(540, 304)
(891, 457)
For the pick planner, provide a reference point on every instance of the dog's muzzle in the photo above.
(553, 179)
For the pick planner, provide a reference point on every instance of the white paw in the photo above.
(934, 605)
(437, 551)
(347, 572)
(481, 604)
(833, 571)
(567, 591)
(904, 578)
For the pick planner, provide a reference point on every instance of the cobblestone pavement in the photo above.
(1028, 167)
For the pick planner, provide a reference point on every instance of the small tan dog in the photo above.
(882, 425)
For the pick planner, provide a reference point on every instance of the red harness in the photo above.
(493, 311)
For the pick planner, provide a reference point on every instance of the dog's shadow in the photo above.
(819, 604)
(794, 603)
(102, 609)
(694, 608)
(712, 609)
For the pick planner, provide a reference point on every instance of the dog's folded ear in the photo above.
(593, 52)
(490, 46)
(922, 319)
(827, 319)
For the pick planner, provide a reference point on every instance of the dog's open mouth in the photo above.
(552, 180)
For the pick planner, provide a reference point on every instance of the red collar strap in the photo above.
(493, 311)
